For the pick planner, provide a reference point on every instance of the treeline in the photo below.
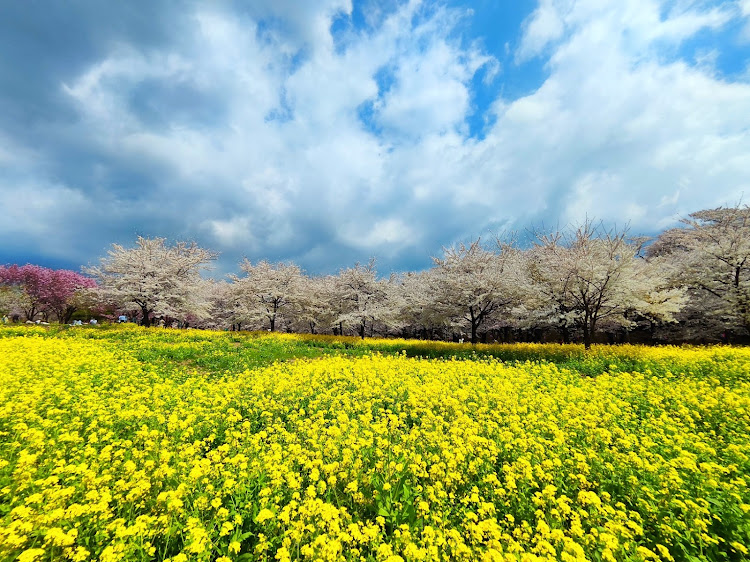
(578, 284)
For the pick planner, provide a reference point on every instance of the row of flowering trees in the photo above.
(692, 280)
(689, 283)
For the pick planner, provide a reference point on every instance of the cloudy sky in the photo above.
(328, 132)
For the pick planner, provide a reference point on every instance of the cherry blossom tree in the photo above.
(65, 292)
(222, 309)
(13, 300)
(712, 255)
(471, 283)
(589, 275)
(30, 280)
(50, 292)
(155, 278)
(267, 291)
(318, 307)
(361, 296)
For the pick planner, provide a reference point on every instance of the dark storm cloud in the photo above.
(45, 43)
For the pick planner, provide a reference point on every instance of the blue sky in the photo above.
(328, 132)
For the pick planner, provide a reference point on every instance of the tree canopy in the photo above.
(155, 277)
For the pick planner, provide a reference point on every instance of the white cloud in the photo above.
(388, 233)
(619, 122)
(633, 24)
(545, 25)
(430, 94)
(744, 6)
(232, 232)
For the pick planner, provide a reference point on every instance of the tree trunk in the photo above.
(725, 337)
(362, 328)
(474, 339)
(146, 322)
(625, 335)
(586, 336)
(565, 334)
(67, 315)
(272, 321)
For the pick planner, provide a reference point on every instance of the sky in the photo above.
(329, 132)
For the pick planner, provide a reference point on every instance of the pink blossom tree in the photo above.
(65, 292)
(56, 292)
(28, 279)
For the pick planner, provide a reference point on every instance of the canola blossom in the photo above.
(110, 454)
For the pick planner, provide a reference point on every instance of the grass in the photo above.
(217, 353)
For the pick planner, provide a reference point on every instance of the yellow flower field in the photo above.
(109, 454)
